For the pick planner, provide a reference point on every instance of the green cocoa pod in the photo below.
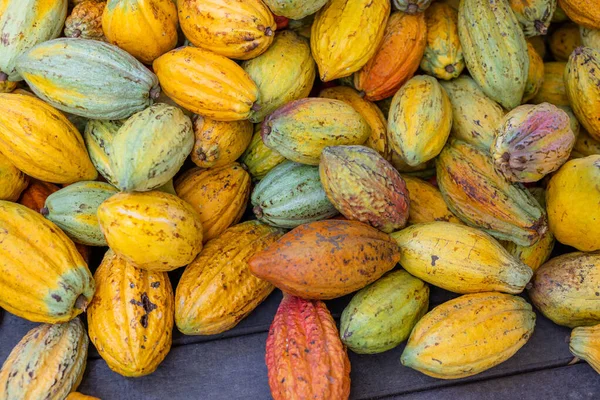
(88, 78)
(258, 158)
(73, 209)
(534, 16)
(301, 129)
(285, 72)
(98, 137)
(475, 116)
(150, 148)
(483, 198)
(411, 6)
(495, 49)
(290, 195)
(23, 24)
(295, 9)
(382, 315)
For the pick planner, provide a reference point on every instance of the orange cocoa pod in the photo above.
(305, 357)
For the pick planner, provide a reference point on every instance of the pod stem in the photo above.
(81, 303)
(44, 211)
(155, 93)
(257, 210)
(3, 76)
(449, 68)
(540, 27)
(412, 8)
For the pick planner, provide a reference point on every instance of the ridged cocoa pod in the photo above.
(363, 186)
(420, 120)
(565, 289)
(582, 83)
(590, 37)
(426, 203)
(535, 75)
(531, 142)
(534, 16)
(475, 117)
(301, 129)
(219, 143)
(85, 21)
(495, 49)
(326, 259)
(412, 6)
(305, 357)
(585, 344)
(482, 198)
(553, 87)
(258, 158)
(295, 9)
(564, 40)
(583, 12)
(47, 363)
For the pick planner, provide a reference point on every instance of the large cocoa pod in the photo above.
(583, 12)
(85, 21)
(535, 76)
(217, 290)
(482, 198)
(397, 59)
(531, 142)
(553, 86)
(219, 143)
(382, 315)
(475, 117)
(44, 278)
(426, 203)
(12, 180)
(146, 29)
(295, 9)
(301, 129)
(47, 363)
(460, 259)
(114, 85)
(23, 24)
(290, 195)
(258, 158)
(572, 199)
(585, 344)
(479, 331)
(219, 195)
(150, 147)
(495, 49)
(582, 83)
(370, 112)
(98, 137)
(305, 357)
(346, 35)
(162, 234)
(420, 120)
(534, 16)
(234, 29)
(565, 289)
(326, 259)
(443, 57)
(73, 209)
(130, 319)
(363, 186)
(38, 140)
(206, 83)
(283, 73)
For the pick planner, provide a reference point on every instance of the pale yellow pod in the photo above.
(420, 120)
(585, 344)
(152, 230)
(12, 181)
(460, 259)
(426, 203)
(590, 37)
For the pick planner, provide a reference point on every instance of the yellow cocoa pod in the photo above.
(130, 320)
(535, 75)
(564, 40)
(585, 344)
(426, 203)
(460, 259)
(565, 289)
(583, 12)
(39, 140)
(258, 158)
(219, 143)
(378, 140)
(443, 57)
(346, 34)
(153, 230)
(590, 37)
(7, 86)
(572, 197)
(217, 290)
(539, 45)
(420, 120)
(12, 181)
(219, 195)
(146, 29)
(80, 396)
(206, 83)
(582, 83)
(44, 278)
(553, 86)
(468, 335)
(585, 145)
(236, 29)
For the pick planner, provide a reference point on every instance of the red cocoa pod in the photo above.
(326, 259)
(305, 357)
